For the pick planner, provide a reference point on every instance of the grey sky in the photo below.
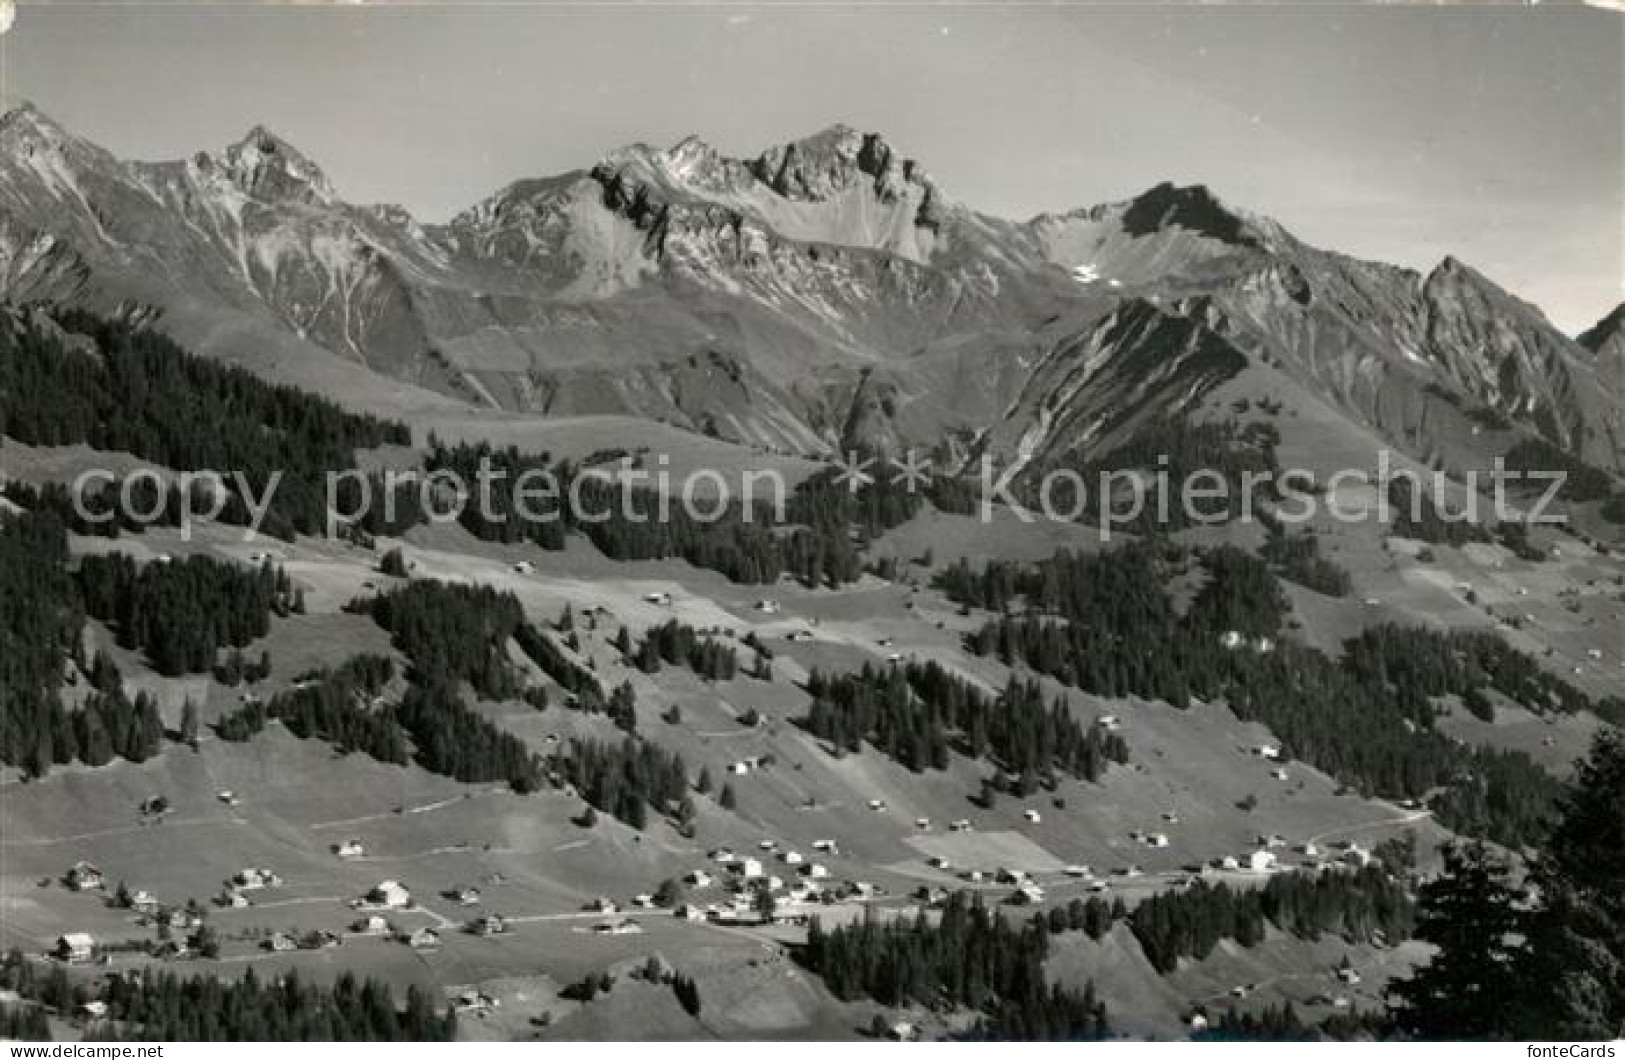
(1494, 133)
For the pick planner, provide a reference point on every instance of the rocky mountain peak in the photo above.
(1193, 208)
(1454, 283)
(692, 153)
(25, 130)
(1453, 270)
(827, 163)
(1610, 330)
(266, 166)
(1606, 341)
(27, 120)
(690, 165)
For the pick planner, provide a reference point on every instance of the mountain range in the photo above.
(823, 294)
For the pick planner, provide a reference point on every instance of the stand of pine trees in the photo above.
(1297, 558)
(1459, 662)
(586, 690)
(110, 724)
(332, 706)
(181, 613)
(1106, 624)
(1581, 481)
(517, 504)
(1537, 959)
(570, 674)
(457, 633)
(631, 522)
(157, 1005)
(140, 393)
(683, 645)
(144, 395)
(829, 504)
(916, 713)
(107, 516)
(24, 1023)
(1359, 906)
(687, 992)
(969, 957)
(452, 632)
(1179, 451)
(1416, 516)
(643, 525)
(625, 779)
(452, 740)
(1094, 916)
(40, 619)
(42, 613)
(446, 737)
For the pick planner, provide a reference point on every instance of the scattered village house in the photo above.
(617, 927)
(178, 919)
(252, 879)
(76, 947)
(372, 925)
(389, 895)
(85, 877)
(472, 1000)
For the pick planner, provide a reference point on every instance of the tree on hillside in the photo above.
(1470, 913)
(190, 724)
(1577, 938)
(393, 564)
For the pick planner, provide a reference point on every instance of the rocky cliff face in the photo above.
(1606, 341)
(824, 292)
